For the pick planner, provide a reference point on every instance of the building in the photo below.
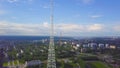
(101, 46)
(92, 45)
(33, 62)
(107, 46)
(112, 47)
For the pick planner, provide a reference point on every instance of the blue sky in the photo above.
(71, 17)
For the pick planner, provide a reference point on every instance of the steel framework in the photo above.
(51, 63)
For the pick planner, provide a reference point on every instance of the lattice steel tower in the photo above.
(51, 63)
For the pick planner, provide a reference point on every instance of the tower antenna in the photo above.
(51, 63)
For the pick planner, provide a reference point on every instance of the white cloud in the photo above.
(30, 0)
(44, 28)
(69, 27)
(79, 28)
(87, 1)
(22, 29)
(12, 1)
(45, 6)
(95, 27)
(96, 16)
(116, 28)
(23, 1)
(45, 24)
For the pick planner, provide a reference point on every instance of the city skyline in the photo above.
(71, 17)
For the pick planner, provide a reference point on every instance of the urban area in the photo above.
(99, 52)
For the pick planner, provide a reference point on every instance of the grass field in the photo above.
(98, 64)
(82, 63)
(11, 63)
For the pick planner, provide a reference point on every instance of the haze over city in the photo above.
(71, 17)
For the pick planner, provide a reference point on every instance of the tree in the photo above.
(1, 57)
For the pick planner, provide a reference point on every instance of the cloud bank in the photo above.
(9, 28)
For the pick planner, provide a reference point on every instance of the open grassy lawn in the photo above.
(98, 64)
(11, 62)
(81, 63)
